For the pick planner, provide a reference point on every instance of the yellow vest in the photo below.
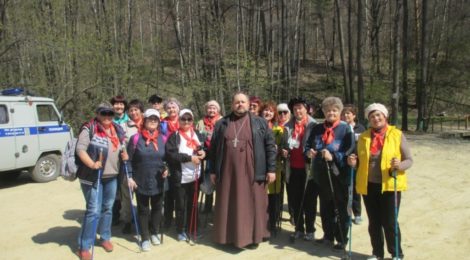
(391, 149)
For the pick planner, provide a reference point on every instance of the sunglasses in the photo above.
(282, 112)
(186, 119)
(107, 113)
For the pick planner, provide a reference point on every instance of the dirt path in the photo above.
(41, 221)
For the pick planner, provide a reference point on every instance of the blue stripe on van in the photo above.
(33, 130)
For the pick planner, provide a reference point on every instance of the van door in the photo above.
(7, 140)
(26, 138)
(52, 135)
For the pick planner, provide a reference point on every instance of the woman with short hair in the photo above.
(382, 152)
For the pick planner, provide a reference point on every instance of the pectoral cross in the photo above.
(235, 142)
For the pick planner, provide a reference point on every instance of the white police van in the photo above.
(33, 135)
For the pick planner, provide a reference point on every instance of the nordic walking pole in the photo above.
(350, 198)
(193, 220)
(395, 204)
(163, 208)
(134, 214)
(335, 204)
(97, 217)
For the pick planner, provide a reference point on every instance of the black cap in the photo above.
(155, 99)
(298, 100)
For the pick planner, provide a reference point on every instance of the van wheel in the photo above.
(47, 168)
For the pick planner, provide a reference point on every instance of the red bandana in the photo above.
(174, 125)
(190, 141)
(112, 136)
(209, 123)
(139, 123)
(329, 134)
(299, 128)
(150, 138)
(378, 140)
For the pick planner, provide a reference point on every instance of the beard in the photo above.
(240, 112)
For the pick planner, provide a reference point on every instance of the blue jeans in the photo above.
(99, 207)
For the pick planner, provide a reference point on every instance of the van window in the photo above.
(47, 113)
(3, 114)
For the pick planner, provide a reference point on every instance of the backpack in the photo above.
(70, 161)
(68, 166)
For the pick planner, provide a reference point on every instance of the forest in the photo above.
(413, 56)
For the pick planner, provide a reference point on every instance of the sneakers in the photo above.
(297, 235)
(84, 255)
(357, 220)
(127, 229)
(107, 245)
(339, 247)
(155, 240)
(182, 237)
(374, 258)
(309, 237)
(396, 258)
(145, 245)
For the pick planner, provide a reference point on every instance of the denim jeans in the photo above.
(99, 207)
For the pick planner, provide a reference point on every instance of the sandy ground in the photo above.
(41, 221)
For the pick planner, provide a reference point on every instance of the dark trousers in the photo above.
(306, 213)
(380, 209)
(331, 205)
(274, 210)
(150, 214)
(184, 196)
(356, 202)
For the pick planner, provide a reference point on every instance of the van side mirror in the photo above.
(61, 118)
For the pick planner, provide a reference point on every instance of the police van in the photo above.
(33, 135)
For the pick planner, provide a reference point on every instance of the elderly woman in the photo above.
(382, 151)
(328, 145)
(147, 176)
(98, 148)
(255, 105)
(205, 126)
(301, 189)
(169, 125)
(283, 114)
(185, 154)
(348, 115)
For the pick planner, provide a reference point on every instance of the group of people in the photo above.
(248, 157)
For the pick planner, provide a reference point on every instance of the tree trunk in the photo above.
(360, 79)
(350, 98)
(341, 49)
(404, 81)
(395, 62)
(421, 87)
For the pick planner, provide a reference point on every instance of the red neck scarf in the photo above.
(378, 140)
(282, 123)
(112, 135)
(150, 138)
(173, 125)
(139, 123)
(190, 141)
(209, 123)
(299, 128)
(329, 135)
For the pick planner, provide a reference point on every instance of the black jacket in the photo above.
(174, 158)
(263, 145)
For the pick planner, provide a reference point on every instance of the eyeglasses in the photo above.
(282, 112)
(186, 119)
(152, 119)
(107, 113)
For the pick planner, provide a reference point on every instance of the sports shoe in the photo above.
(374, 258)
(146, 246)
(357, 220)
(309, 237)
(182, 237)
(297, 235)
(155, 240)
(324, 241)
(338, 247)
(396, 258)
(107, 245)
(84, 254)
